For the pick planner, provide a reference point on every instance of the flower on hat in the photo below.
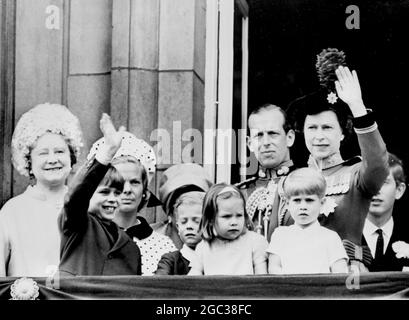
(24, 289)
(324, 97)
(37, 121)
(332, 97)
(134, 147)
(328, 60)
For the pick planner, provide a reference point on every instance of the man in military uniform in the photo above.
(270, 138)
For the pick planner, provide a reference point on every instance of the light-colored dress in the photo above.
(231, 257)
(29, 235)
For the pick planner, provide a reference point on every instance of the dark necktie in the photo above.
(379, 245)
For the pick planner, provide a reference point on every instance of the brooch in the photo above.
(332, 97)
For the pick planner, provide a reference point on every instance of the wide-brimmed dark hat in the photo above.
(325, 97)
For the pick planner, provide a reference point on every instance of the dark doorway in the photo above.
(286, 35)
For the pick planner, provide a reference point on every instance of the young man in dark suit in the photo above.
(388, 239)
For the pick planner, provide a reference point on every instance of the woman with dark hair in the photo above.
(45, 145)
(326, 117)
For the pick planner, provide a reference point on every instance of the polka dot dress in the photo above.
(152, 248)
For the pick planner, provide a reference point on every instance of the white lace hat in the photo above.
(43, 118)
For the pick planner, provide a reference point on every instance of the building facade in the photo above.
(142, 61)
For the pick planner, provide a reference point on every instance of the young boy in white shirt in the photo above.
(305, 247)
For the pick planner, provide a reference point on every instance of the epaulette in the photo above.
(245, 183)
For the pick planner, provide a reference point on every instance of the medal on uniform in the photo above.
(261, 202)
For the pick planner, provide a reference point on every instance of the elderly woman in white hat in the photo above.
(46, 144)
(136, 162)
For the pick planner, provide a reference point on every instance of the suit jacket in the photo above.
(389, 262)
(278, 216)
(89, 244)
(173, 263)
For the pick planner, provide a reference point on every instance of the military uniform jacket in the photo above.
(351, 186)
(276, 214)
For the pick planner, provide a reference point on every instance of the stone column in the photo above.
(158, 50)
(89, 64)
(181, 79)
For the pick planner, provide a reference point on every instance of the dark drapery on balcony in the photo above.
(382, 285)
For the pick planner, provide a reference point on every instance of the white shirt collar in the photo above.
(370, 228)
(311, 227)
(187, 252)
(371, 235)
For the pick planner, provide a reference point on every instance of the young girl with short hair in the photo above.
(228, 246)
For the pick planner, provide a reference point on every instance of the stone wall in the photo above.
(142, 61)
